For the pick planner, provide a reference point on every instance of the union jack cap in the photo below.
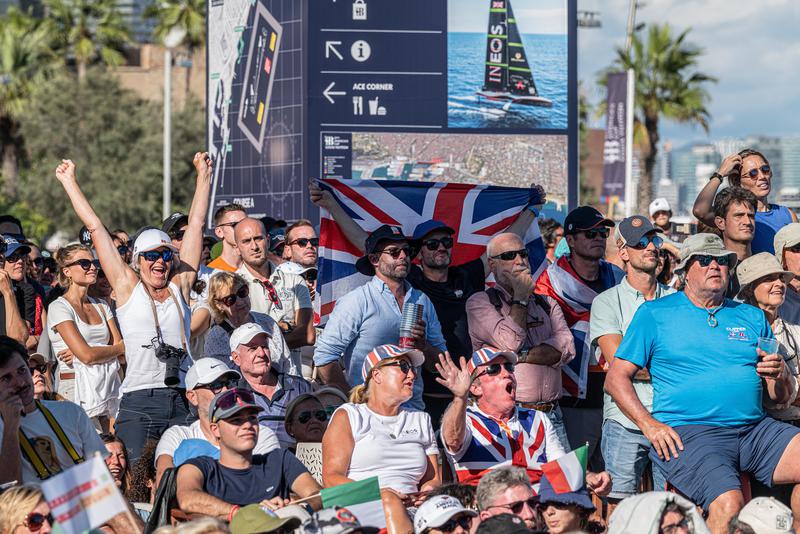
(384, 352)
(486, 354)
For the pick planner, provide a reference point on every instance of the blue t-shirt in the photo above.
(701, 375)
(767, 225)
(270, 475)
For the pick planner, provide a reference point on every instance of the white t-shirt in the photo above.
(96, 386)
(76, 425)
(174, 435)
(396, 448)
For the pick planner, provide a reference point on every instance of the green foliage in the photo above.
(189, 15)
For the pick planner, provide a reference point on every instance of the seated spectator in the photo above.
(668, 258)
(228, 308)
(787, 250)
(505, 524)
(55, 435)
(566, 512)
(206, 378)
(42, 378)
(306, 419)
(274, 390)
(507, 490)
(142, 489)
(24, 510)
(443, 514)
(656, 511)
(465, 493)
(331, 398)
(373, 435)
(763, 515)
(218, 488)
(117, 461)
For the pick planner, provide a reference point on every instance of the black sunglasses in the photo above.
(304, 241)
(433, 244)
(404, 366)
(705, 260)
(231, 224)
(395, 252)
(646, 240)
(153, 255)
(305, 417)
(219, 384)
(241, 293)
(85, 264)
(40, 368)
(517, 506)
(463, 521)
(38, 262)
(178, 235)
(35, 521)
(595, 232)
(15, 257)
(765, 169)
(310, 276)
(511, 254)
(122, 250)
(494, 369)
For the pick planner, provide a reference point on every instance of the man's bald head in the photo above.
(252, 241)
(503, 242)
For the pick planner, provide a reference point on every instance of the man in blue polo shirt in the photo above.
(708, 378)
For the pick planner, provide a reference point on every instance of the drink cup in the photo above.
(768, 344)
(412, 313)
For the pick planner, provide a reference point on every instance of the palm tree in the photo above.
(186, 15)
(91, 31)
(26, 59)
(667, 86)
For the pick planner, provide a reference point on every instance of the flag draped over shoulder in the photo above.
(476, 212)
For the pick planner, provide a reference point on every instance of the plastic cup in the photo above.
(768, 344)
(412, 313)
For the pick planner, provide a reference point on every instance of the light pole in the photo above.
(173, 38)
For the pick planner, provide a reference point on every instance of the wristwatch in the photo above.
(523, 303)
(716, 175)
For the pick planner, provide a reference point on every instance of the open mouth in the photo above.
(509, 387)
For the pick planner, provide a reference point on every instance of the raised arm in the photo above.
(121, 277)
(15, 325)
(457, 379)
(351, 230)
(704, 205)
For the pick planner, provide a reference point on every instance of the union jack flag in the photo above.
(475, 212)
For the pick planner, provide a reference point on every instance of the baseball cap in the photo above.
(767, 515)
(257, 519)
(10, 225)
(486, 354)
(549, 495)
(336, 520)
(85, 237)
(245, 334)
(174, 221)
(585, 218)
(383, 233)
(757, 266)
(437, 511)
(13, 245)
(205, 370)
(503, 524)
(704, 245)
(277, 240)
(659, 204)
(291, 267)
(37, 358)
(228, 403)
(631, 229)
(788, 236)
(151, 239)
(427, 227)
(384, 352)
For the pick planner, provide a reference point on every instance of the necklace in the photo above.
(712, 320)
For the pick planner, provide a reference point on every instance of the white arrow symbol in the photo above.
(327, 93)
(330, 46)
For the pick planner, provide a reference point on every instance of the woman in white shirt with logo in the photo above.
(88, 370)
(151, 295)
(373, 435)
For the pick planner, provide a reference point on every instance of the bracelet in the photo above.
(233, 511)
(716, 175)
(523, 303)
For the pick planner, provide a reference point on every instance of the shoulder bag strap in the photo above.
(62, 437)
(180, 314)
(33, 457)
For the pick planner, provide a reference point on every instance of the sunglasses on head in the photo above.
(463, 521)
(404, 366)
(646, 240)
(153, 255)
(511, 254)
(765, 169)
(433, 244)
(305, 417)
(705, 260)
(493, 369)
(595, 232)
(35, 521)
(517, 506)
(241, 293)
(395, 252)
(85, 264)
(178, 235)
(232, 397)
(304, 241)
(219, 384)
(122, 250)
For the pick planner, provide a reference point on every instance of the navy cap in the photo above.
(13, 245)
(632, 229)
(176, 220)
(585, 218)
(579, 498)
(383, 233)
(427, 227)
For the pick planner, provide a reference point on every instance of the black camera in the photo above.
(172, 357)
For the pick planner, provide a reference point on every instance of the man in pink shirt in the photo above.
(511, 317)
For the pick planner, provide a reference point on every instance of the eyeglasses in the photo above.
(37, 369)
(35, 521)
(242, 293)
(675, 527)
(229, 399)
(122, 250)
(511, 254)
(231, 224)
(517, 506)
(395, 252)
(304, 241)
(404, 366)
(595, 232)
(433, 244)
(153, 255)
(85, 264)
(219, 384)
(705, 260)
(646, 240)
(305, 417)
(14, 258)
(765, 169)
(494, 369)
(463, 521)
(177, 236)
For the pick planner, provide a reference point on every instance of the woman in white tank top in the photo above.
(84, 330)
(151, 295)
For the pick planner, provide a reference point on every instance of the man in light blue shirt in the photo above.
(370, 315)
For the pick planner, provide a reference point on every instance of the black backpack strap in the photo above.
(494, 298)
(542, 303)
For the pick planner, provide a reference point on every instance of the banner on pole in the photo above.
(615, 147)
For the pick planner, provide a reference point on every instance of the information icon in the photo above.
(361, 51)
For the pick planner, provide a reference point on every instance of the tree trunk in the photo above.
(81, 71)
(649, 153)
(9, 153)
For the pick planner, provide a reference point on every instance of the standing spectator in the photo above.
(225, 220)
(735, 210)
(175, 226)
(85, 339)
(704, 435)
(552, 232)
(507, 490)
(14, 264)
(12, 303)
(302, 243)
(123, 243)
(574, 281)
(668, 257)
(624, 447)
(660, 215)
(510, 317)
(370, 315)
(152, 312)
(49, 273)
(35, 264)
(787, 250)
(24, 510)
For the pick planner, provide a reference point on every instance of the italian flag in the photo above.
(362, 498)
(568, 473)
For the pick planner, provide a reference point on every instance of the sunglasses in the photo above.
(765, 169)
(433, 244)
(310, 276)
(177, 236)
(37, 368)
(305, 417)
(404, 366)
(242, 293)
(229, 399)
(395, 252)
(511, 254)
(153, 255)
(14, 258)
(646, 240)
(705, 260)
(494, 369)
(231, 224)
(463, 521)
(122, 250)
(35, 521)
(273, 295)
(793, 248)
(304, 241)
(516, 507)
(219, 384)
(38, 262)
(595, 232)
(85, 264)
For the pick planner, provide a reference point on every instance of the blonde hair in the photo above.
(15, 505)
(360, 393)
(64, 256)
(220, 286)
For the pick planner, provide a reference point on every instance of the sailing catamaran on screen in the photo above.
(508, 77)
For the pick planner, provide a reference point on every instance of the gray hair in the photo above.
(492, 244)
(739, 527)
(496, 482)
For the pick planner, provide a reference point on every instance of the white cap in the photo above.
(767, 515)
(245, 334)
(152, 239)
(437, 511)
(206, 370)
(659, 204)
(291, 267)
(293, 510)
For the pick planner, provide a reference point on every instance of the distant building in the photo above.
(790, 162)
(132, 12)
(35, 6)
(692, 165)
